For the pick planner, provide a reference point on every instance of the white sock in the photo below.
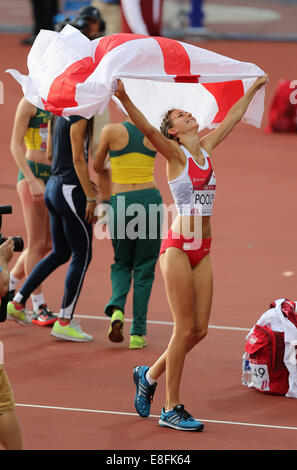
(37, 300)
(149, 379)
(13, 282)
(18, 298)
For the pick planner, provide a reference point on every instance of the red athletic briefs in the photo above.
(195, 250)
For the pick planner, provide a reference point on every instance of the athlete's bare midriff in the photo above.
(38, 156)
(122, 188)
(192, 226)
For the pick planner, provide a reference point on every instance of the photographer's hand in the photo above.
(6, 253)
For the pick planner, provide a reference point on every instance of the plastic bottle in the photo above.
(246, 370)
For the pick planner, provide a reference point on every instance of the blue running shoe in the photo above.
(144, 391)
(178, 418)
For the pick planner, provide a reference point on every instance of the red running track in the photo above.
(80, 396)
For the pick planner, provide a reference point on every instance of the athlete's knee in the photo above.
(64, 257)
(201, 334)
(60, 256)
(145, 273)
(37, 247)
(144, 279)
(47, 247)
(194, 335)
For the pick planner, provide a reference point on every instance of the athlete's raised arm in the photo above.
(168, 148)
(234, 115)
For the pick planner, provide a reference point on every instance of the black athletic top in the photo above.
(62, 158)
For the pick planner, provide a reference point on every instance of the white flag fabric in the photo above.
(71, 75)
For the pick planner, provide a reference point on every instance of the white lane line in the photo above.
(154, 322)
(122, 413)
(157, 322)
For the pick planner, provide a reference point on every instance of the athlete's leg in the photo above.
(47, 236)
(10, 433)
(78, 234)
(145, 258)
(203, 292)
(18, 271)
(121, 274)
(37, 228)
(59, 255)
(189, 294)
(121, 269)
(178, 280)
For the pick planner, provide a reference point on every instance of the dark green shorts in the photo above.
(40, 170)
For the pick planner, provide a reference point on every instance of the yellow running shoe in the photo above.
(137, 342)
(70, 332)
(17, 313)
(116, 329)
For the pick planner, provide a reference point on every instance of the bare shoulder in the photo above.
(115, 135)
(26, 108)
(114, 129)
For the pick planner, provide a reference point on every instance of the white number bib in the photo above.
(259, 376)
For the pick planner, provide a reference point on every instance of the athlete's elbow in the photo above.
(15, 148)
(79, 161)
(235, 115)
(97, 165)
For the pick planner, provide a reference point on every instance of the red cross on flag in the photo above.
(71, 75)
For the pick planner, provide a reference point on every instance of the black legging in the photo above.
(71, 236)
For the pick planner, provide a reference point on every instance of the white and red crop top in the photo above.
(194, 189)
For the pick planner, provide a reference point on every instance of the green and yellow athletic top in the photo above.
(135, 162)
(36, 135)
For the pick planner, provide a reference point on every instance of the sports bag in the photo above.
(270, 351)
(282, 115)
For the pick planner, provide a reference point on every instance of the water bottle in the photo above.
(246, 370)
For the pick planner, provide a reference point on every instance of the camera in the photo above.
(17, 241)
(18, 246)
(85, 21)
(83, 24)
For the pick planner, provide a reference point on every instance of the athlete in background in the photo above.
(71, 200)
(31, 128)
(142, 17)
(132, 159)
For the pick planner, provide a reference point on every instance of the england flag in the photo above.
(71, 75)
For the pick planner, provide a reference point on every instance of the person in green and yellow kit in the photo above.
(132, 159)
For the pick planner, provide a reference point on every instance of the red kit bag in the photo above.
(269, 361)
(266, 360)
(282, 116)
